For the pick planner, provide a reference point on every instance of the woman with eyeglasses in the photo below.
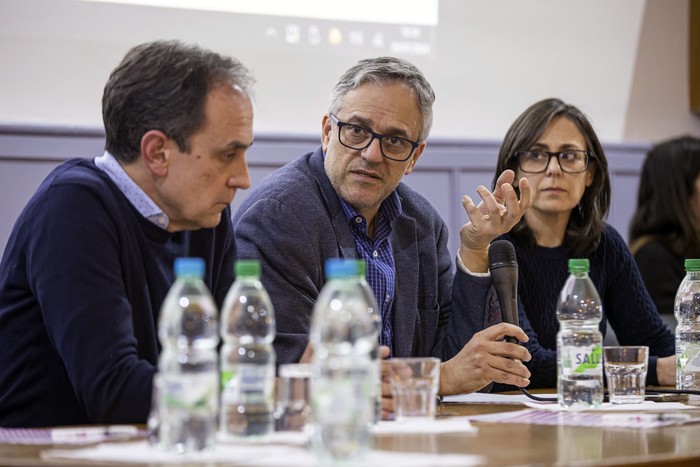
(553, 145)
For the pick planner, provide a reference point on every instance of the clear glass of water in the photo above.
(414, 386)
(293, 403)
(626, 372)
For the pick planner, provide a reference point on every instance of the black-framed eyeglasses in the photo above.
(358, 137)
(571, 161)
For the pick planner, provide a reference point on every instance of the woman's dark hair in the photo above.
(163, 85)
(586, 224)
(663, 201)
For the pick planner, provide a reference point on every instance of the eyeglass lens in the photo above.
(393, 147)
(573, 161)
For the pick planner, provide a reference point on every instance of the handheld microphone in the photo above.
(503, 266)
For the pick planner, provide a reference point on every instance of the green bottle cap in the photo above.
(247, 268)
(579, 265)
(361, 267)
(692, 264)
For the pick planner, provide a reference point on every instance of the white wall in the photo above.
(659, 93)
(624, 62)
(615, 59)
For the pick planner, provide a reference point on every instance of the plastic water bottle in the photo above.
(687, 312)
(376, 318)
(579, 341)
(187, 381)
(247, 356)
(343, 336)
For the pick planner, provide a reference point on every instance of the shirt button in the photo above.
(388, 297)
(358, 220)
(492, 318)
(375, 253)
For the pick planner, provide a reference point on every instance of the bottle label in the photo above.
(247, 383)
(193, 392)
(226, 376)
(689, 357)
(343, 395)
(586, 360)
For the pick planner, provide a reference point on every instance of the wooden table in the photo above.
(506, 444)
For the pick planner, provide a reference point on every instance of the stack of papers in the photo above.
(488, 398)
(250, 454)
(70, 436)
(635, 416)
(279, 449)
(443, 425)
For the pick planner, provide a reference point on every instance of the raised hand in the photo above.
(495, 215)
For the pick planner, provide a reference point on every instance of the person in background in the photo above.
(554, 146)
(665, 228)
(90, 258)
(346, 199)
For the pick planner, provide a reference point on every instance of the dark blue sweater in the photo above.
(626, 303)
(81, 284)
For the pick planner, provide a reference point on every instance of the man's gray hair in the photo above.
(384, 71)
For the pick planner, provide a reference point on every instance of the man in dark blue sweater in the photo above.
(90, 258)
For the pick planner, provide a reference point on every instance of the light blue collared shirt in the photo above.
(136, 196)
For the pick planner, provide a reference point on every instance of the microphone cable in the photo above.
(538, 398)
(605, 393)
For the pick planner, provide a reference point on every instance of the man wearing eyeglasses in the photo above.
(346, 199)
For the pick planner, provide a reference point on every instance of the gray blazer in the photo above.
(293, 222)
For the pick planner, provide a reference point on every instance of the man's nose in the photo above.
(240, 177)
(373, 152)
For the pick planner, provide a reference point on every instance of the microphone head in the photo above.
(502, 253)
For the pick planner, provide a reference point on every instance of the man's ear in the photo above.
(326, 131)
(414, 158)
(154, 151)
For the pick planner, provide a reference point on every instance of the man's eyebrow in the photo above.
(356, 120)
(237, 145)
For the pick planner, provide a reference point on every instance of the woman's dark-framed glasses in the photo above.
(571, 161)
(357, 137)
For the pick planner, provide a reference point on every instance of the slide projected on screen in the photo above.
(399, 27)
